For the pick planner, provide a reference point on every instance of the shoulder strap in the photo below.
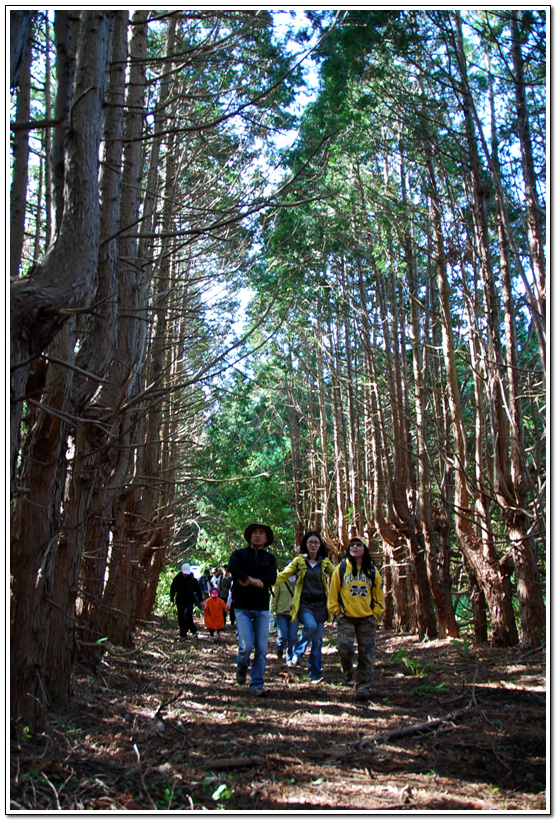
(370, 577)
(342, 570)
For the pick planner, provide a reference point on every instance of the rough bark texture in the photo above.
(20, 35)
(113, 457)
(61, 282)
(20, 171)
(40, 305)
(478, 553)
(535, 218)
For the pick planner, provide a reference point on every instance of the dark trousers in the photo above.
(185, 619)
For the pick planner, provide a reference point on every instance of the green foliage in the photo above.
(222, 791)
(247, 452)
(162, 605)
(412, 667)
(463, 649)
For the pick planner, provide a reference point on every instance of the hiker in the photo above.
(311, 567)
(286, 629)
(186, 591)
(224, 586)
(253, 570)
(206, 584)
(215, 609)
(356, 599)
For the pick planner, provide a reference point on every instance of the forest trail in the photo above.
(165, 727)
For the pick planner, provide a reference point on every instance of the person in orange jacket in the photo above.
(215, 609)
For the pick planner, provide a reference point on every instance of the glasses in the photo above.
(356, 545)
(313, 543)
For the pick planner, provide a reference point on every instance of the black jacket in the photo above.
(186, 590)
(257, 564)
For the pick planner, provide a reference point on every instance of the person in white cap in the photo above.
(186, 592)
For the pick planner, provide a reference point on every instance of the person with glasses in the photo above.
(312, 569)
(356, 600)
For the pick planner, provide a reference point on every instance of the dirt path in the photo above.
(165, 727)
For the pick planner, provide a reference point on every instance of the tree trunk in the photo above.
(513, 483)
(340, 517)
(297, 472)
(115, 456)
(436, 559)
(40, 302)
(403, 483)
(20, 172)
(61, 281)
(64, 79)
(149, 541)
(37, 524)
(20, 35)
(534, 216)
(95, 358)
(481, 559)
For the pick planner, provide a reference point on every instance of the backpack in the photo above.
(370, 578)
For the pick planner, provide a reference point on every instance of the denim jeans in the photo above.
(286, 634)
(252, 631)
(312, 631)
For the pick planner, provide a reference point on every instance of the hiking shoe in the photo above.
(258, 693)
(279, 653)
(241, 676)
(362, 695)
(347, 673)
(295, 660)
(315, 681)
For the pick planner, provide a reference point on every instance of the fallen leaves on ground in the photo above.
(164, 727)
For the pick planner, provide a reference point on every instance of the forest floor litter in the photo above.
(165, 727)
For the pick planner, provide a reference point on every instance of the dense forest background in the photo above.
(275, 266)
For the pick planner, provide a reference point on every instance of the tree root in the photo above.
(407, 731)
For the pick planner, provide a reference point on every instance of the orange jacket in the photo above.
(214, 613)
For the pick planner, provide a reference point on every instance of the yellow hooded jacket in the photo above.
(299, 567)
(358, 598)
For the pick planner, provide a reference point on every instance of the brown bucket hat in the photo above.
(265, 527)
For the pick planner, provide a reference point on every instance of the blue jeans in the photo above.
(252, 630)
(312, 631)
(286, 634)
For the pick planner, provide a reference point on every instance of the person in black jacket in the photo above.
(186, 591)
(253, 570)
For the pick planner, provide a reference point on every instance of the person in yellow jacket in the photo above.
(312, 567)
(286, 629)
(356, 599)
